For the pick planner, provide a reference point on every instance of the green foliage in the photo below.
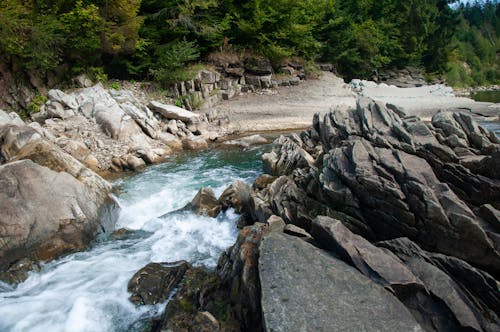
(171, 60)
(115, 86)
(476, 45)
(161, 39)
(36, 103)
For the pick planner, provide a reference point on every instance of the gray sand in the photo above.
(293, 107)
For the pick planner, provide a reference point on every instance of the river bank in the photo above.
(455, 158)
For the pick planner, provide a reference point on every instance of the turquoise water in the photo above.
(87, 291)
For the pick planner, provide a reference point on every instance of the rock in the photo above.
(172, 127)
(258, 66)
(134, 163)
(14, 138)
(82, 81)
(302, 286)
(238, 269)
(291, 155)
(263, 181)
(91, 162)
(275, 224)
(464, 296)
(247, 141)
(10, 119)
(296, 231)
(62, 98)
(206, 322)
(51, 156)
(115, 123)
(490, 215)
(208, 77)
(194, 143)
(201, 303)
(29, 229)
(153, 283)
(170, 140)
(237, 196)
(173, 112)
(148, 123)
(383, 268)
(205, 203)
(18, 272)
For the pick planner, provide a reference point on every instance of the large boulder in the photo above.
(153, 283)
(306, 289)
(45, 213)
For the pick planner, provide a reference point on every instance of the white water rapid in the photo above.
(87, 291)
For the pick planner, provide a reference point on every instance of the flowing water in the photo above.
(87, 291)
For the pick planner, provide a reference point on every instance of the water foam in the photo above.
(87, 291)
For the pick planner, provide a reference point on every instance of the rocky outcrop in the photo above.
(51, 203)
(153, 283)
(427, 191)
(28, 228)
(108, 130)
(306, 289)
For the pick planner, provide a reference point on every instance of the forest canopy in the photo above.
(157, 38)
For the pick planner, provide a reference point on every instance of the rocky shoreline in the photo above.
(371, 219)
(401, 213)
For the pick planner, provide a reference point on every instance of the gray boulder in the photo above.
(28, 228)
(306, 289)
(173, 112)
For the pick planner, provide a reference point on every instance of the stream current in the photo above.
(87, 291)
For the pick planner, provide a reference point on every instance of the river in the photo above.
(87, 291)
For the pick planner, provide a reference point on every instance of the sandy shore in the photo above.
(293, 107)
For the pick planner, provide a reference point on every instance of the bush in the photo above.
(171, 58)
(36, 103)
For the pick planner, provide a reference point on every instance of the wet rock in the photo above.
(302, 287)
(238, 269)
(134, 163)
(29, 229)
(237, 196)
(205, 203)
(153, 283)
(201, 303)
(18, 272)
(194, 143)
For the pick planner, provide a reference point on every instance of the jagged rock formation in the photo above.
(384, 176)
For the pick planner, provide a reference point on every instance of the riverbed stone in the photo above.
(302, 287)
(153, 283)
